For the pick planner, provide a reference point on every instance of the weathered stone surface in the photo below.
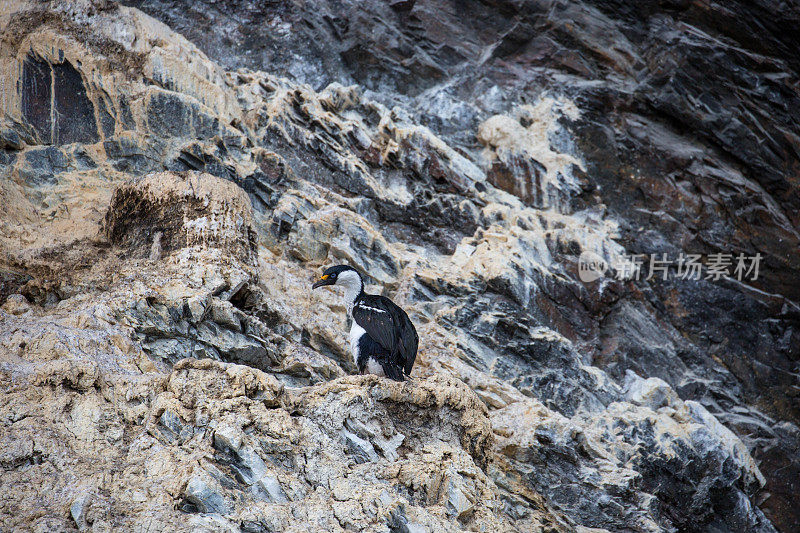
(164, 366)
(163, 212)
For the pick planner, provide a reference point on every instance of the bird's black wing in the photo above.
(390, 327)
(408, 342)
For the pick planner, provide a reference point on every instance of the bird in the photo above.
(383, 340)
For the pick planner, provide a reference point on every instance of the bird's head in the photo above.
(341, 275)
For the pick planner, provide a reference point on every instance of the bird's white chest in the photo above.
(356, 332)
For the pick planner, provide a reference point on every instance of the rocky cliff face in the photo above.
(164, 207)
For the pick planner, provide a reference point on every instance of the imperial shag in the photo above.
(382, 338)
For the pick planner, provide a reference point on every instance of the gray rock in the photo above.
(203, 492)
(78, 510)
(361, 449)
(270, 489)
(225, 314)
(233, 346)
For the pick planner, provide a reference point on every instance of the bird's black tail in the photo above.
(393, 371)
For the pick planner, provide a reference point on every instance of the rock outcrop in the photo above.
(163, 210)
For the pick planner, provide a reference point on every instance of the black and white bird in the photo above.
(382, 338)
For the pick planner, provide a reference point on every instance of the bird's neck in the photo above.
(353, 290)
